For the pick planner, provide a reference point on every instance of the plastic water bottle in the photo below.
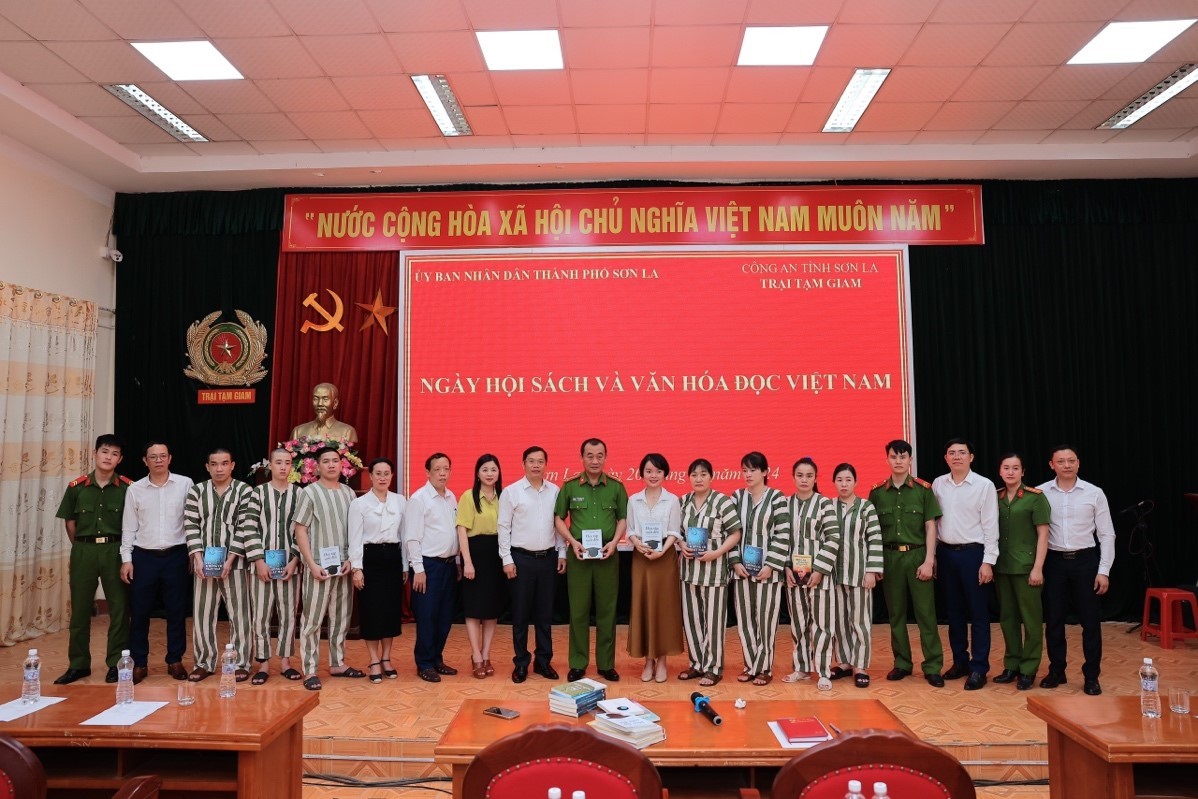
(31, 685)
(124, 678)
(881, 791)
(555, 793)
(579, 795)
(1150, 696)
(854, 790)
(228, 673)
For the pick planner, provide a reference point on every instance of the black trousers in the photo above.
(532, 601)
(968, 606)
(1070, 581)
(157, 575)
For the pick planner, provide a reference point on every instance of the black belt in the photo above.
(161, 553)
(958, 547)
(99, 539)
(903, 547)
(382, 544)
(450, 559)
(1071, 554)
(534, 553)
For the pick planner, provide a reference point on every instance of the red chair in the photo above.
(909, 767)
(527, 764)
(1170, 627)
(21, 773)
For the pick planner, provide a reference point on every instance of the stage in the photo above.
(387, 732)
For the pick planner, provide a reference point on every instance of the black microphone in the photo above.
(1136, 507)
(703, 705)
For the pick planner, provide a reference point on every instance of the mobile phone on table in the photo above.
(501, 712)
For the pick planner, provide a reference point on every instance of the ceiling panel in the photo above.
(872, 137)
(826, 84)
(809, 117)
(612, 118)
(224, 148)
(602, 48)
(263, 127)
(881, 117)
(418, 15)
(303, 94)
(953, 45)
(766, 84)
(745, 139)
(921, 84)
(687, 86)
(55, 20)
(1180, 112)
(1047, 44)
(540, 120)
(1072, 10)
(236, 18)
(788, 12)
(865, 45)
(1001, 83)
(330, 124)
(488, 15)
(485, 121)
(82, 99)
(473, 88)
(1080, 81)
(437, 52)
(10, 32)
(129, 129)
(1040, 115)
(230, 96)
(968, 116)
(468, 142)
(688, 12)
(684, 118)
(707, 46)
(972, 11)
(885, 11)
(143, 19)
(611, 139)
(275, 57)
(609, 86)
(400, 123)
(751, 117)
(174, 97)
(361, 54)
(609, 13)
(267, 147)
(171, 149)
(33, 62)
(532, 87)
(320, 17)
(212, 127)
(107, 62)
(377, 92)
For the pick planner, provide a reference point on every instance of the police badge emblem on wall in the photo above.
(227, 356)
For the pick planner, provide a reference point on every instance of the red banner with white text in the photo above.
(726, 215)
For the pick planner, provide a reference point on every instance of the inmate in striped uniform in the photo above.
(214, 519)
(268, 519)
(860, 552)
(815, 534)
(325, 514)
(705, 583)
(766, 524)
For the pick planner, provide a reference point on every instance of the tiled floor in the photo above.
(383, 732)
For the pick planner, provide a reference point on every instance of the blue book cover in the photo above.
(276, 563)
(697, 537)
(214, 560)
(752, 558)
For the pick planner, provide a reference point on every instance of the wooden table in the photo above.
(1100, 747)
(249, 746)
(743, 741)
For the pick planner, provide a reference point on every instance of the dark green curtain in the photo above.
(165, 283)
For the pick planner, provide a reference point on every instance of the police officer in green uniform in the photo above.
(592, 501)
(1023, 518)
(908, 511)
(92, 506)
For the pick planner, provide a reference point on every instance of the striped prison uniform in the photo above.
(816, 534)
(705, 584)
(860, 552)
(268, 519)
(325, 514)
(215, 519)
(765, 524)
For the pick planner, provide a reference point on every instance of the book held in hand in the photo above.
(802, 567)
(276, 563)
(697, 538)
(592, 544)
(752, 558)
(214, 561)
(330, 560)
(652, 534)
(807, 729)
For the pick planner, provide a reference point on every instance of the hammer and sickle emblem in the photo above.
(331, 320)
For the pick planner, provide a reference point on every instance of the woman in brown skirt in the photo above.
(654, 529)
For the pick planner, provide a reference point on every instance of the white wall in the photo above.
(53, 223)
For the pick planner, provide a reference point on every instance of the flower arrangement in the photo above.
(303, 450)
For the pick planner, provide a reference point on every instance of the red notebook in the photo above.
(808, 729)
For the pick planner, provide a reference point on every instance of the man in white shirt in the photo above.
(431, 539)
(966, 551)
(154, 559)
(1076, 569)
(533, 555)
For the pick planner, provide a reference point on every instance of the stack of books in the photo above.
(639, 730)
(576, 698)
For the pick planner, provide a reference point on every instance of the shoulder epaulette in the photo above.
(922, 482)
(1033, 490)
(878, 484)
(123, 480)
(81, 480)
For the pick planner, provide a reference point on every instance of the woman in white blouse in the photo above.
(379, 566)
(654, 528)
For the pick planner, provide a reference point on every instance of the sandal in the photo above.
(824, 684)
(763, 679)
(795, 676)
(349, 672)
(260, 677)
(690, 674)
(488, 668)
(744, 676)
(312, 683)
(660, 674)
(199, 673)
(647, 672)
(376, 678)
(390, 674)
(839, 674)
(479, 670)
(241, 675)
(861, 680)
(292, 674)
(709, 680)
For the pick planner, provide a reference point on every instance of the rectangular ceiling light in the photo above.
(781, 47)
(188, 60)
(1177, 82)
(154, 111)
(855, 99)
(442, 104)
(1130, 42)
(509, 50)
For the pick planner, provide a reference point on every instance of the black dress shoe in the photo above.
(934, 680)
(1053, 679)
(111, 675)
(611, 675)
(1092, 688)
(1026, 681)
(975, 681)
(70, 675)
(448, 671)
(1007, 676)
(546, 671)
(575, 674)
(519, 674)
(896, 674)
(956, 673)
(428, 675)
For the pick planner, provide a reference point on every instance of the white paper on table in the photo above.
(11, 711)
(124, 715)
(781, 736)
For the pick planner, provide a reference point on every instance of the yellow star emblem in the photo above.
(377, 312)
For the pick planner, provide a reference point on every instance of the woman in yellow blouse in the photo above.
(478, 539)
